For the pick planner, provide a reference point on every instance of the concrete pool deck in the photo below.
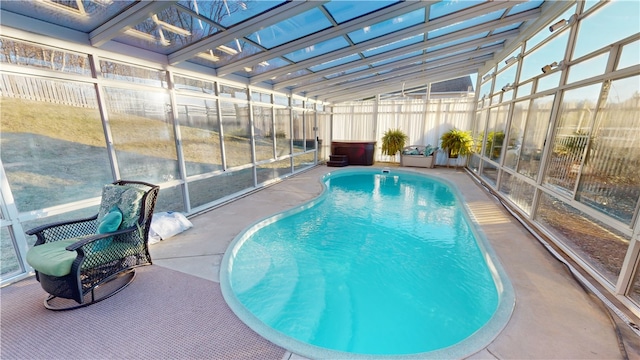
(553, 318)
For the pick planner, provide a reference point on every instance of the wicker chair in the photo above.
(83, 261)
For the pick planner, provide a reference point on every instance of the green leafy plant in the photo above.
(457, 142)
(494, 144)
(393, 141)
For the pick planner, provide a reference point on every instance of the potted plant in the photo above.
(393, 141)
(495, 139)
(457, 142)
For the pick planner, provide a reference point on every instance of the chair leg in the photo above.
(103, 291)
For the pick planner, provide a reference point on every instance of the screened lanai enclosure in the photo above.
(215, 99)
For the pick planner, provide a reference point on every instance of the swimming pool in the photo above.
(384, 264)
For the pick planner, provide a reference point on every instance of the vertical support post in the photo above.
(104, 116)
(274, 138)
(178, 142)
(252, 139)
(223, 155)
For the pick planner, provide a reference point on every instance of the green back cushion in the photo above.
(126, 198)
(110, 223)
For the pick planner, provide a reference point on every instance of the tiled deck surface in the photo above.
(554, 318)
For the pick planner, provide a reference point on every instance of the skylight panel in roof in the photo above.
(507, 28)
(466, 24)
(345, 10)
(347, 72)
(235, 50)
(224, 54)
(292, 75)
(309, 82)
(411, 66)
(300, 81)
(167, 31)
(522, 7)
(229, 12)
(356, 69)
(82, 16)
(335, 62)
(364, 76)
(492, 44)
(394, 45)
(386, 27)
(439, 66)
(243, 74)
(265, 66)
(431, 59)
(293, 28)
(386, 71)
(397, 58)
(318, 49)
(295, 76)
(414, 66)
(447, 7)
(456, 42)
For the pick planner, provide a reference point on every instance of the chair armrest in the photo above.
(93, 238)
(64, 230)
(89, 256)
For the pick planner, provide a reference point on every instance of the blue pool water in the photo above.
(380, 264)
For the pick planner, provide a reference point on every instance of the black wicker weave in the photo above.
(97, 273)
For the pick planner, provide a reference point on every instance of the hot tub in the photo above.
(358, 152)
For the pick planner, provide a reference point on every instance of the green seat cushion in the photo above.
(52, 258)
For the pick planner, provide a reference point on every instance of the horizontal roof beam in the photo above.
(396, 82)
(453, 59)
(127, 19)
(402, 72)
(462, 15)
(249, 26)
(384, 87)
(437, 53)
(326, 34)
(396, 36)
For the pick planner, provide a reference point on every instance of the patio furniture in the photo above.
(418, 156)
(88, 260)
